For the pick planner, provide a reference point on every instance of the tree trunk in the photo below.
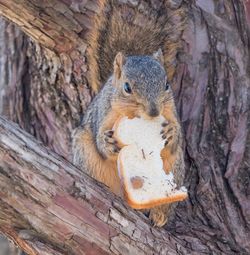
(211, 85)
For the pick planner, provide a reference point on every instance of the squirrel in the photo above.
(140, 85)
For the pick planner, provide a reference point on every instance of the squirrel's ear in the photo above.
(118, 63)
(158, 55)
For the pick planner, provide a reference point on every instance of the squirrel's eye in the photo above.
(127, 88)
(167, 86)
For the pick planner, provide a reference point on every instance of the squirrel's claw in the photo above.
(111, 144)
(109, 133)
(167, 132)
(110, 140)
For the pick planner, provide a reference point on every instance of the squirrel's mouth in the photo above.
(153, 113)
(148, 116)
(150, 112)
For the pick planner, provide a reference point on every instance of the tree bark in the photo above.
(13, 68)
(213, 102)
(212, 95)
(54, 90)
(50, 207)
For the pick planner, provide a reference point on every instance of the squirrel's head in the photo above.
(141, 84)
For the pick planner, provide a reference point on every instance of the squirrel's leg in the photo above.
(87, 157)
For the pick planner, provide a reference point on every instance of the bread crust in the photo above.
(151, 203)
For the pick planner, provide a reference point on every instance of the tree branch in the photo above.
(58, 25)
(46, 205)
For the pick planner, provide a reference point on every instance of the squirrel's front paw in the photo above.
(110, 143)
(168, 132)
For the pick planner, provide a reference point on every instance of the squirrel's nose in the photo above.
(153, 111)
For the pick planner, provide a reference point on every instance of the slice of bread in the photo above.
(140, 166)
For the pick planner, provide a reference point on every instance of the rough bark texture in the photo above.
(212, 94)
(12, 70)
(53, 92)
(49, 207)
(213, 102)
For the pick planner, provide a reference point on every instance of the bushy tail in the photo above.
(134, 29)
